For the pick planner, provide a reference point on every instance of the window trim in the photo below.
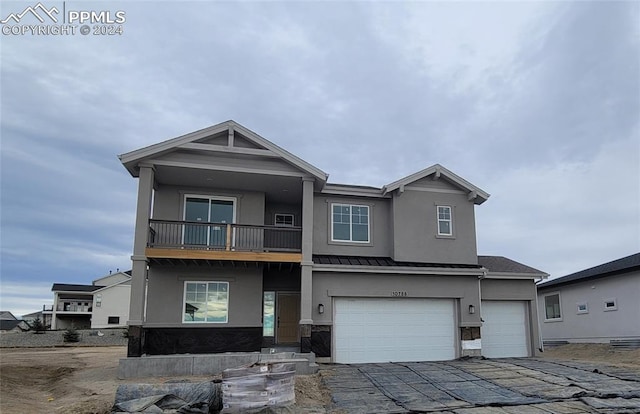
(275, 220)
(582, 311)
(612, 308)
(544, 301)
(184, 301)
(350, 241)
(438, 220)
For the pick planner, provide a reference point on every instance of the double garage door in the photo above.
(393, 330)
(388, 330)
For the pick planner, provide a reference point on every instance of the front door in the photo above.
(288, 317)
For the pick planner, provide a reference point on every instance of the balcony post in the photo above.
(139, 260)
(306, 280)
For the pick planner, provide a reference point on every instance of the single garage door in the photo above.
(393, 330)
(504, 330)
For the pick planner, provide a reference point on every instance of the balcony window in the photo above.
(350, 222)
(206, 302)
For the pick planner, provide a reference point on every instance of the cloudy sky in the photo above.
(537, 103)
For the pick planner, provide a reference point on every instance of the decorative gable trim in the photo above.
(189, 141)
(475, 194)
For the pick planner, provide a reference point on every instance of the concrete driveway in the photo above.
(473, 386)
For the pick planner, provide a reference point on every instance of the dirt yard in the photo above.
(83, 380)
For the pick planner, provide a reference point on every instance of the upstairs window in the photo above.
(552, 307)
(350, 222)
(284, 220)
(445, 222)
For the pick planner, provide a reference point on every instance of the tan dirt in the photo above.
(84, 380)
(601, 353)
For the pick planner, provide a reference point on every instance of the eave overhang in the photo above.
(475, 194)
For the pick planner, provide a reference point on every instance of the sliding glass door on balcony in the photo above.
(216, 210)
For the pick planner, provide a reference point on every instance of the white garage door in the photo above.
(393, 330)
(504, 330)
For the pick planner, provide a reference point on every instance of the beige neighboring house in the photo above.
(102, 304)
(596, 305)
(9, 323)
(45, 317)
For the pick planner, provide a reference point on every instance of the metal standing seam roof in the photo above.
(74, 288)
(381, 261)
(623, 265)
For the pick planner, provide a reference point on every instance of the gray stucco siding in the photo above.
(329, 285)
(415, 229)
(166, 294)
(168, 203)
(379, 227)
(271, 209)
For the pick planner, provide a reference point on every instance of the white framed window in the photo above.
(284, 220)
(206, 302)
(610, 304)
(582, 307)
(269, 314)
(445, 221)
(350, 223)
(552, 307)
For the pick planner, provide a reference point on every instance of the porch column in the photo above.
(306, 301)
(139, 259)
(54, 316)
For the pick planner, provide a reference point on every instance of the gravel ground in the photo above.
(88, 337)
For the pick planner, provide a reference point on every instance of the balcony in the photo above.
(170, 239)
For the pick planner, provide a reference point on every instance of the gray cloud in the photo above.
(536, 103)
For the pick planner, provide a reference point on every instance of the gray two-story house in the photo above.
(240, 245)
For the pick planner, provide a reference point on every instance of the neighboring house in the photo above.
(7, 316)
(241, 245)
(9, 325)
(45, 317)
(103, 304)
(598, 304)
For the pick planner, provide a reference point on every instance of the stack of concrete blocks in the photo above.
(253, 388)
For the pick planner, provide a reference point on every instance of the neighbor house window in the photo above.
(552, 307)
(445, 223)
(113, 320)
(582, 307)
(350, 223)
(284, 220)
(610, 304)
(206, 302)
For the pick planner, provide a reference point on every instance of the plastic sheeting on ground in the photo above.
(173, 397)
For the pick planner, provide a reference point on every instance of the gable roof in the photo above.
(63, 287)
(499, 265)
(131, 159)
(615, 267)
(7, 316)
(476, 194)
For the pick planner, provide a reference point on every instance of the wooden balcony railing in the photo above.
(223, 236)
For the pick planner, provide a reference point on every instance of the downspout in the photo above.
(540, 340)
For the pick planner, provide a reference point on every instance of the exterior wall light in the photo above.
(472, 309)
(321, 308)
